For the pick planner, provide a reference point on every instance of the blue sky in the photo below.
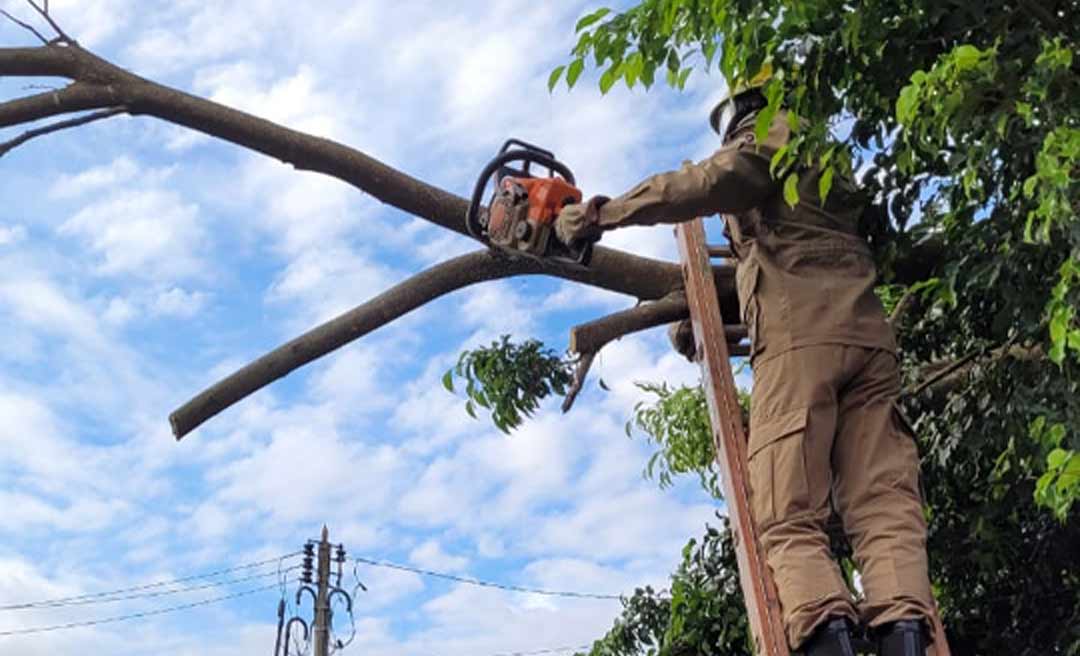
(141, 262)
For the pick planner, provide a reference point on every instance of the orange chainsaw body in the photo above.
(522, 214)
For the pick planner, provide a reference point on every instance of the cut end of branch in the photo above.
(580, 374)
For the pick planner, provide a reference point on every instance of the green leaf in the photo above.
(825, 183)
(608, 79)
(906, 103)
(469, 408)
(553, 79)
(590, 19)
(574, 71)
(777, 159)
(1057, 458)
(448, 380)
(966, 57)
(683, 76)
(791, 189)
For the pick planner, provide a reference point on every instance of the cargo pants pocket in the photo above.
(779, 486)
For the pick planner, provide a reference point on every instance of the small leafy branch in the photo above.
(677, 421)
(509, 379)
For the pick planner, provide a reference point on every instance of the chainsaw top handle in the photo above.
(513, 150)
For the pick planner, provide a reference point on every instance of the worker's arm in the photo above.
(734, 179)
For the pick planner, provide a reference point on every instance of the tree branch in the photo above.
(588, 338)
(946, 379)
(75, 97)
(45, 14)
(580, 372)
(400, 299)
(902, 307)
(11, 144)
(100, 84)
(594, 335)
(26, 26)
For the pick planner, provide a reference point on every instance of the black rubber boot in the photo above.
(902, 638)
(833, 638)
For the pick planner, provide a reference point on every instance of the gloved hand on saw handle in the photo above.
(580, 222)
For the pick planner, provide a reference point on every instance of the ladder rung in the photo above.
(717, 250)
(735, 333)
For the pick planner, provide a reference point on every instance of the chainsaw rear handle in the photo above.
(525, 153)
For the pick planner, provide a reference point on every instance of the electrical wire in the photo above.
(143, 595)
(61, 601)
(132, 616)
(552, 650)
(479, 582)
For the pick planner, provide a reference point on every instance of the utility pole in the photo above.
(322, 592)
(322, 598)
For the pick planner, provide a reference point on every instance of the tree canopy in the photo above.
(961, 120)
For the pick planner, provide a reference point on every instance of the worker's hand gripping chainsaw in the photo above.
(520, 217)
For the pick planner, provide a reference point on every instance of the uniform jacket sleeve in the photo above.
(732, 180)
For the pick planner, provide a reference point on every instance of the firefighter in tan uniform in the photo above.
(823, 419)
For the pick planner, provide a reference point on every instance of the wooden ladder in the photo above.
(759, 590)
(714, 353)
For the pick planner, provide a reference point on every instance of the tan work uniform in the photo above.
(825, 382)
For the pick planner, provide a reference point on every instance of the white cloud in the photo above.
(326, 282)
(95, 179)
(151, 234)
(178, 302)
(11, 235)
(430, 555)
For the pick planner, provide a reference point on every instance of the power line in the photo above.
(132, 616)
(479, 582)
(552, 650)
(143, 595)
(60, 601)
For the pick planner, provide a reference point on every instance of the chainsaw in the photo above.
(520, 216)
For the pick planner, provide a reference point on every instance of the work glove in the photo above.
(681, 334)
(580, 222)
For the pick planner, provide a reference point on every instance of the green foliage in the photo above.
(1059, 487)
(965, 119)
(677, 422)
(509, 379)
(701, 614)
(890, 295)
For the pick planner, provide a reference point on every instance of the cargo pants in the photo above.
(824, 424)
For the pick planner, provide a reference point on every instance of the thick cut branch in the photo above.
(7, 146)
(594, 335)
(76, 97)
(588, 338)
(100, 84)
(398, 300)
